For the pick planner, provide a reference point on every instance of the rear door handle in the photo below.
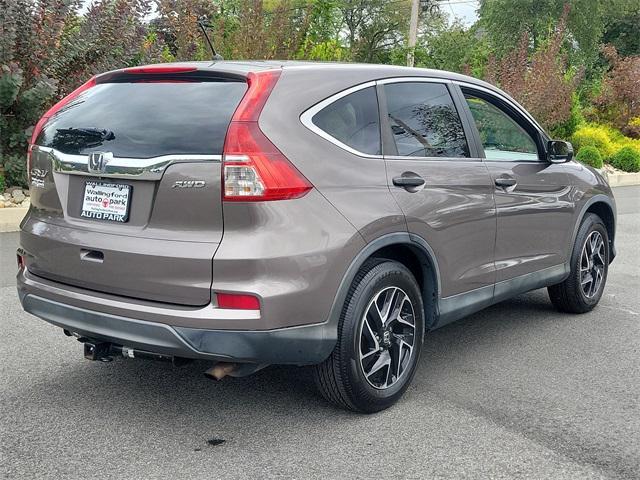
(408, 181)
(506, 182)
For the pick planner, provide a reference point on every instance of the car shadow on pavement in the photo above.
(145, 388)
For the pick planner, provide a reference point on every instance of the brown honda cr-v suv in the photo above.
(257, 213)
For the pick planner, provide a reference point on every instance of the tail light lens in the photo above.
(50, 113)
(254, 168)
(238, 301)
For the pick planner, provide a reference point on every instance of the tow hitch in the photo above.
(97, 351)
(106, 352)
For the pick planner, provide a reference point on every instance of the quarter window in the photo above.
(424, 121)
(503, 139)
(353, 121)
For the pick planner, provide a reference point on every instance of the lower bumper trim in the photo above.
(304, 345)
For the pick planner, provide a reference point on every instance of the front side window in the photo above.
(353, 121)
(503, 139)
(424, 121)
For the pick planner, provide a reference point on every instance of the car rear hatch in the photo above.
(126, 184)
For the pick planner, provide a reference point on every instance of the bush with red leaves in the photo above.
(541, 82)
(619, 100)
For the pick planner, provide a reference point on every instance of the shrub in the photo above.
(590, 155)
(633, 128)
(3, 185)
(594, 136)
(618, 102)
(543, 81)
(15, 172)
(567, 128)
(627, 159)
(47, 49)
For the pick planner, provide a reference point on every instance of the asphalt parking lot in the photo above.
(515, 391)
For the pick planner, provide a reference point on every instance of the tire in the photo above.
(341, 378)
(576, 294)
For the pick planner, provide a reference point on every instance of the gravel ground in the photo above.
(515, 391)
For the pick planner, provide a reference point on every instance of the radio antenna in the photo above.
(203, 27)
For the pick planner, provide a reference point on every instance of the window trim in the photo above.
(455, 89)
(307, 119)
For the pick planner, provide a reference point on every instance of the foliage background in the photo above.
(575, 64)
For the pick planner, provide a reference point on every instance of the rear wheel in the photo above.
(582, 290)
(379, 340)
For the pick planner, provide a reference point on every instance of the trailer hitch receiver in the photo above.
(96, 351)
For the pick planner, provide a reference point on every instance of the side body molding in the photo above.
(449, 309)
(458, 306)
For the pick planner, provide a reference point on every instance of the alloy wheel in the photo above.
(387, 336)
(592, 264)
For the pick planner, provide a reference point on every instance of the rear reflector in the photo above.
(237, 301)
(20, 259)
(254, 168)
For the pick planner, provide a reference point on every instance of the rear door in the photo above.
(439, 181)
(126, 187)
(533, 196)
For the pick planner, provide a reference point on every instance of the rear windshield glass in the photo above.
(146, 119)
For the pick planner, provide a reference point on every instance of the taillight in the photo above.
(254, 168)
(238, 301)
(50, 113)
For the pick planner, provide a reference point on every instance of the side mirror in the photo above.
(559, 151)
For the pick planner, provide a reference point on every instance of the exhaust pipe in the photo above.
(221, 370)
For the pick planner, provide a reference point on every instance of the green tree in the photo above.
(453, 47)
(622, 26)
(506, 20)
(373, 27)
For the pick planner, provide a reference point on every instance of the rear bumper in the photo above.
(304, 345)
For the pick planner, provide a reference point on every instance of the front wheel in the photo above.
(583, 288)
(380, 338)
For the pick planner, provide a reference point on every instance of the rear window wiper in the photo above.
(74, 140)
(101, 133)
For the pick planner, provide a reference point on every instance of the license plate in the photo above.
(106, 201)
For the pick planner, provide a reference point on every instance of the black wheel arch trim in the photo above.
(397, 238)
(598, 198)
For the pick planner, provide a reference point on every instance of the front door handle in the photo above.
(506, 182)
(408, 181)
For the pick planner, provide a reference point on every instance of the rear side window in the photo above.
(146, 119)
(424, 121)
(353, 120)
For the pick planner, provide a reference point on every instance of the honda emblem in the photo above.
(98, 161)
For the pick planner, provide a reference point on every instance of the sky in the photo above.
(465, 10)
